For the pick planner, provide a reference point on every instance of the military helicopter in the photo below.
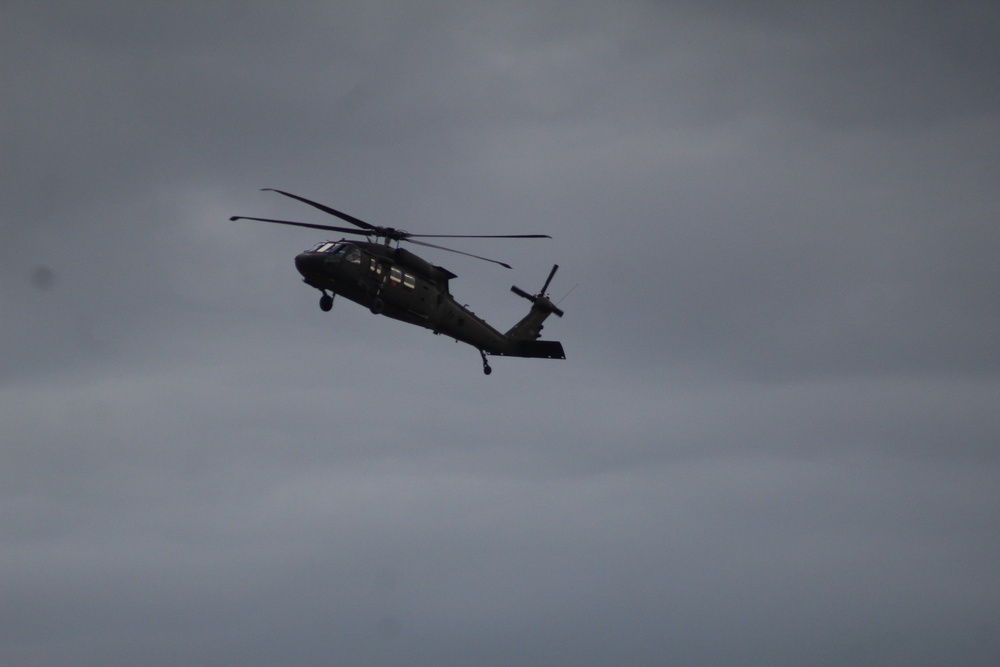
(394, 282)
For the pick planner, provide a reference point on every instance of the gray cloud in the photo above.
(773, 440)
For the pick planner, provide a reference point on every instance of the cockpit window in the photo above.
(340, 250)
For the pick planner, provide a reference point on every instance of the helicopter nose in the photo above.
(308, 264)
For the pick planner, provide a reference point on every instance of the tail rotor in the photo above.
(540, 300)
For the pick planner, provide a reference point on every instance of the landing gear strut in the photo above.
(326, 302)
(486, 365)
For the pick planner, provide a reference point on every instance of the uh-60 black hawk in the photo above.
(395, 282)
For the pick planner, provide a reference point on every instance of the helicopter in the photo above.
(394, 282)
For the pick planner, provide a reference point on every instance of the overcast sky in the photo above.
(775, 436)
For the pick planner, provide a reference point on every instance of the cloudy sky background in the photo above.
(774, 440)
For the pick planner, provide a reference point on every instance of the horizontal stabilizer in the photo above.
(535, 349)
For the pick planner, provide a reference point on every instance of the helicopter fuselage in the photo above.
(399, 284)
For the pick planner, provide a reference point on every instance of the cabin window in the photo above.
(408, 281)
(323, 247)
(395, 276)
(376, 267)
(352, 255)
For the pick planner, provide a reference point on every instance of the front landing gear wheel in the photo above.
(325, 303)
(486, 365)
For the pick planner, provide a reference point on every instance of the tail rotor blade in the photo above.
(555, 267)
(521, 293)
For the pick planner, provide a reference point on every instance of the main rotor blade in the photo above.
(459, 252)
(326, 209)
(479, 236)
(555, 267)
(342, 230)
